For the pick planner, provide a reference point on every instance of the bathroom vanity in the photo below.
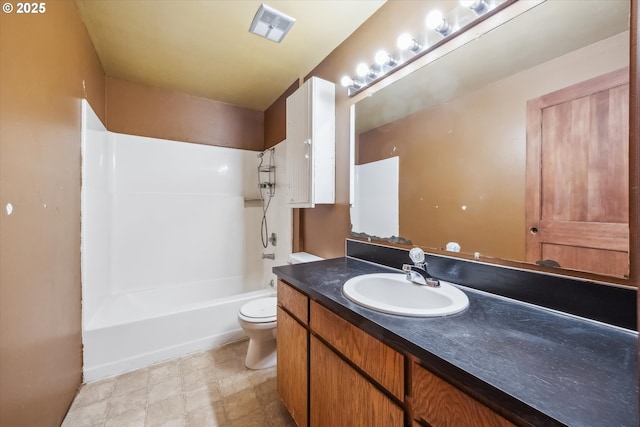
(501, 362)
(534, 347)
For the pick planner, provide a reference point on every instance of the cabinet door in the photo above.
(341, 397)
(299, 150)
(439, 404)
(292, 353)
(311, 144)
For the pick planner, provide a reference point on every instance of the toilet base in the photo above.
(261, 354)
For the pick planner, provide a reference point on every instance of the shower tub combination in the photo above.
(168, 247)
(137, 329)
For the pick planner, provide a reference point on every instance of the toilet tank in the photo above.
(300, 257)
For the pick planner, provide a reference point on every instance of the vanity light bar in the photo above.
(409, 47)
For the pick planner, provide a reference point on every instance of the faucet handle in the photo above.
(417, 255)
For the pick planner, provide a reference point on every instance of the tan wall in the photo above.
(142, 110)
(44, 62)
(275, 119)
(471, 151)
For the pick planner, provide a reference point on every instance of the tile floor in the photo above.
(210, 388)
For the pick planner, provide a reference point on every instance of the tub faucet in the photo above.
(417, 273)
(268, 256)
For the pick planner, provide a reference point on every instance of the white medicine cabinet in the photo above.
(311, 134)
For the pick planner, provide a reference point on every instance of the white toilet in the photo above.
(258, 319)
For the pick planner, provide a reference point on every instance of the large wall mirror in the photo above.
(512, 146)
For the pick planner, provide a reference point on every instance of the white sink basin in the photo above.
(393, 293)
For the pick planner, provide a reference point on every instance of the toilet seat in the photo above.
(261, 310)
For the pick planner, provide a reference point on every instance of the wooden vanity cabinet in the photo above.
(293, 352)
(332, 373)
(316, 377)
(436, 403)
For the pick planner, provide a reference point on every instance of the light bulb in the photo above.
(362, 70)
(434, 19)
(467, 3)
(437, 23)
(346, 81)
(407, 42)
(383, 58)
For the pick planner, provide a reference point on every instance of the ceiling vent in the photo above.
(271, 24)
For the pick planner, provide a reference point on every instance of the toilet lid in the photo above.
(262, 309)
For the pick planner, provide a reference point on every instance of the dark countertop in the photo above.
(545, 367)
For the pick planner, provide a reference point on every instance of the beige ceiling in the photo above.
(204, 48)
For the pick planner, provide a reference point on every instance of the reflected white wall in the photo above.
(377, 190)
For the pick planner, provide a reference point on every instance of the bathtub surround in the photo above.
(279, 219)
(95, 238)
(170, 249)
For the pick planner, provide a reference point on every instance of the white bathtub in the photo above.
(136, 329)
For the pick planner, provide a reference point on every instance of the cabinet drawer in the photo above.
(295, 302)
(440, 404)
(379, 361)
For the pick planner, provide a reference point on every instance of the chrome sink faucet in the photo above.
(417, 273)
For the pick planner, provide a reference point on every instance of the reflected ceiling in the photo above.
(204, 48)
(494, 56)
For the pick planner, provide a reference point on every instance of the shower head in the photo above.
(260, 155)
